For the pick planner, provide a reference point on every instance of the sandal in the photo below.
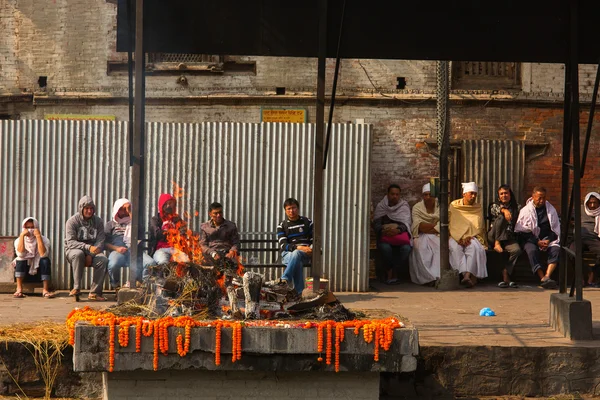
(513, 285)
(95, 297)
(48, 295)
(19, 295)
(467, 283)
(74, 292)
(392, 281)
(504, 285)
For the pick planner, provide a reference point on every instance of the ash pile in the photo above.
(224, 291)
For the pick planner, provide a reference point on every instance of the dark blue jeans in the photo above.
(394, 257)
(22, 270)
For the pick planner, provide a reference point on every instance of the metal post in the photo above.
(317, 259)
(574, 23)
(130, 36)
(443, 145)
(566, 154)
(333, 90)
(137, 229)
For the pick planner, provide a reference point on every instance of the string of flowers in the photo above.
(380, 332)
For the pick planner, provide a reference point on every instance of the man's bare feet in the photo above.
(498, 247)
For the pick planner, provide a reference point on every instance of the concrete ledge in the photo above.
(263, 349)
(570, 317)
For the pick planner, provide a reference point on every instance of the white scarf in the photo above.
(31, 253)
(116, 207)
(399, 213)
(593, 213)
(527, 221)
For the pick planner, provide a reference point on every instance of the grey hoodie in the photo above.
(82, 234)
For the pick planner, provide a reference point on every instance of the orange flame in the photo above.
(185, 242)
(178, 191)
(186, 215)
(196, 213)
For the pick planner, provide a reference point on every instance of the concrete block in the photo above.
(126, 295)
(570, 317)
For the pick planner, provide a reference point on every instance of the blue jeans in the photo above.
(116, 261)
(394, 257)
(294, 262)
(22, 269)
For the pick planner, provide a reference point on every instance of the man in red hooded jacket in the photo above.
(159, 248)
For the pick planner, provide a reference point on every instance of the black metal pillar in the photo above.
(131, 35)
(137, 227)
(317, 258)
(333, 90)
(443, 77)
(564, 201)
(574, 121)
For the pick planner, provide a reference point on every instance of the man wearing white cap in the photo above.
(425, 258)
(468, 236)
(539, 229)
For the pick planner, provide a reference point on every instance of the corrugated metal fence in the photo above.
(490, 163)
(250, 168)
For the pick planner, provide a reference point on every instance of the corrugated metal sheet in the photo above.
(491, 163)
(250, 168)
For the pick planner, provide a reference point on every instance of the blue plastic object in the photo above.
(487, 312)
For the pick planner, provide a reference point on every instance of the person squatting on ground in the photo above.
(590, 235)
(118, 242)
(33, 257)
(424, 263)
(84, 243)
(391, 222)
(539, 229)
(219, 238)
(503, 214)
(166, 219)
(468, 236)
(295, 238)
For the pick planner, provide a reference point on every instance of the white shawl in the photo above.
(399, 213)
(527, 221)
(593, 213)
(31, 253)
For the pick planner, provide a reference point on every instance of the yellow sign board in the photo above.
(293, 115)
(79, 117)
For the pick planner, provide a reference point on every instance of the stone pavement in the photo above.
(442, 318)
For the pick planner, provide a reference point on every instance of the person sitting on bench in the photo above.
(467, 236)
(503, 214)
(33, 257)
(539, 230)
(219, 238)
(590, 235)
(84, 246)
(295, 238)
(391, 222)
(167, 219)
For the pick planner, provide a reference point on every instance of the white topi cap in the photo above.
(426, 188)
(469, 187)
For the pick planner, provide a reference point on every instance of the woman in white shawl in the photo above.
(590, 234)
(392, 222)
(33, 257)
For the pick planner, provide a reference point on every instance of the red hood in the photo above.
(161, 202)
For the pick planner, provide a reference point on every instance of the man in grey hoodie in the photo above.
(84, 243)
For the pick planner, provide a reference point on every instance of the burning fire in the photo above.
(185, 242)
(178, 191)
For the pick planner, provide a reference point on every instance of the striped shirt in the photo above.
(291, 234)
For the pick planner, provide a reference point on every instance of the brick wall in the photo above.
(246, 385)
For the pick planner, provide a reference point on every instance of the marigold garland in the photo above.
(380, 332)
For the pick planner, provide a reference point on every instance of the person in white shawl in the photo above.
(468, 239)
(424, 262)
(33, 257)
(539, 229)
(391, 222)
(590, 234)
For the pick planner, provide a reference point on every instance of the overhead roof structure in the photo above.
(545, 31)
(467, 30)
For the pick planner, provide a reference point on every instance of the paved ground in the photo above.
(442, 318)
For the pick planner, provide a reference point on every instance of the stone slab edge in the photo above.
(262, 349)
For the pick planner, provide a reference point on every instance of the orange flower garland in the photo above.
(380, 332)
